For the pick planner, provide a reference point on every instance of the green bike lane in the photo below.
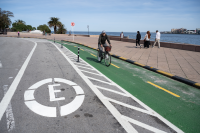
(177, 102)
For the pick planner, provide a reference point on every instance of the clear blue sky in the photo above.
(109, 15)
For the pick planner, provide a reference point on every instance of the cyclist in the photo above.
(102, 42)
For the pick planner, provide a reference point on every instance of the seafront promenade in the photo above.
(182, 63)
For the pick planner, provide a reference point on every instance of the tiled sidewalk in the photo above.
(182, 63)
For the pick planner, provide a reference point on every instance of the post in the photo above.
(88, 30)
(54, 39)
(78, 53)
(73, 33)
(61, 43)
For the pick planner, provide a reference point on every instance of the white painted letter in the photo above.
(52, 93)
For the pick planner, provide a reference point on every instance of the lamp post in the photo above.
(88, 30)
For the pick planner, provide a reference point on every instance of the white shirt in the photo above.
(146, 36)
(122, 35)
(158, 35)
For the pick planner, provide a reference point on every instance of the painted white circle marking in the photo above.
(42, 110)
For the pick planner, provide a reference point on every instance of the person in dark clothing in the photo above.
(138, 37)
(102, 42)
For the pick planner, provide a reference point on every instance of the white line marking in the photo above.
(10, 77)
(29, 95)
(7, 98)
(38, 84)
(1, 65)
(125, 124)
(76, 63)
(86, 67)
(99, 80)
(64, 81)
(41, 109)
(91, 73)
(72, 57)
(9, 113)
(155, 130)
(72, 106)
(123, 94)
(78, 90)
(129, 106)
(137, 100)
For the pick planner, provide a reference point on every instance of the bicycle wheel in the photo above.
(107, 59)
(98, 57)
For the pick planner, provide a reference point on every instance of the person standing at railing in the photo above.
(138, 37)
(122, 35)
(157, 39)
(18, 33)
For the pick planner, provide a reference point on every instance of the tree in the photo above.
(61, 29)
(20, 25)
(29, 27)
(34, 28)
(54, 22)
(44, 27)
(5, 20)
(20, 22)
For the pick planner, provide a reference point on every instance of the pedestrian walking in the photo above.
(138, 37)
(147, 39)
(122, 35)
(18, 33)
(157, 39)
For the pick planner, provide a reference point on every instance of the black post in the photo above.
(54, 39)
(78, 53)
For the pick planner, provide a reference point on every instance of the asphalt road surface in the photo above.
(43, 89)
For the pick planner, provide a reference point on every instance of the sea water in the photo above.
(174, 38)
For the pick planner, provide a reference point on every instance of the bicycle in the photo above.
(105, 55)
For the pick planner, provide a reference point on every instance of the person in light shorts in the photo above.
(157, 39)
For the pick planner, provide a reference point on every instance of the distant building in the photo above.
(191, 31)
(197, 30)
(179, 31)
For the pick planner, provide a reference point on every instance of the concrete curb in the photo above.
(180, 79)
(183, 80)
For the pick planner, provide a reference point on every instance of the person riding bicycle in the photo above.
(102, 42)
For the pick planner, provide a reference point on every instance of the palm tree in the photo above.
(61, 29)
(54, 22)
(5, 20)
(20, 22)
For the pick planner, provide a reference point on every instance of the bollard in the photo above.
(78, 53)
(54, 39)
(61, 44)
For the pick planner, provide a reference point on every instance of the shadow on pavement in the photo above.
(95, 60)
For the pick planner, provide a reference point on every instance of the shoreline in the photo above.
(174, 45)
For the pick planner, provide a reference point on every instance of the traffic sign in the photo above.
(72, 23)
(47, 111)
